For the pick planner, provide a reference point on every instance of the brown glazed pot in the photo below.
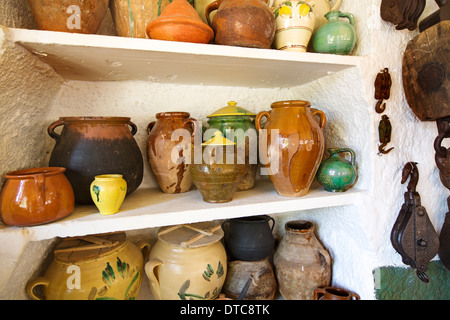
(172, 177)
(62, 15)
(244, 23)
(293, 165)
(333, 293)
(91, 146)
(302, 264)
(36, 196)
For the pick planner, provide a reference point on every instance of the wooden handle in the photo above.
(200, 236)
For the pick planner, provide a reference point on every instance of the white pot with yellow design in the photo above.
(295, 22)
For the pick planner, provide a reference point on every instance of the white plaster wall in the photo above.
(356, 236)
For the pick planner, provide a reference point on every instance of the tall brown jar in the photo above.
(292, 157)
(302, 264)
(91, 146)
(172, 177)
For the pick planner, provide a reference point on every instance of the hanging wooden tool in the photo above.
(442, 155)
(382, 85)
(384, 134)
(442, 14)
(426, 69)
(444, 239)
(413, 235)
(402, 13)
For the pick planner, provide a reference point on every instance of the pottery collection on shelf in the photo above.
(292, 25)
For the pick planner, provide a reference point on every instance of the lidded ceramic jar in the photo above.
(167, 156)
(218, 176)
(96, 267)
(238, 124)
(187, 262)
(302, 264)
(91, 146)
(36, 196)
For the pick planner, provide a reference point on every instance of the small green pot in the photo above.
(336, 36)
(335, 173)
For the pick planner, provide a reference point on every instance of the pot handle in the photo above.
(260, 115)
(145, 249)
(211, 7)
(150, 271)
(51, 129)
(194, 124)
(352, 154)
(349, 16)
(318, 293)
(336, 5)
(273, 223)
(41, 281)
(39, 182)
(133, 127)
(150, 126)
(322, 117)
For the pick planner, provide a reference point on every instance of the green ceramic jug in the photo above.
(337, 174)
(336, 36)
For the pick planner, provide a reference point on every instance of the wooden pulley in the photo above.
(442, 155)
(444, 239)
(402, 13)
(426, 73)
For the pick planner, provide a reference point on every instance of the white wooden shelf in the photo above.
(109, 58)
(147, 208)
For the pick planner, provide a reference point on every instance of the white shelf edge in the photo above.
(144, 209)
(76, 57)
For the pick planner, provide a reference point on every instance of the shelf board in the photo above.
(112, 58)
(149, 207)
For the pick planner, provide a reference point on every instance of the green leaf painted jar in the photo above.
(337, 174)
(336, 36)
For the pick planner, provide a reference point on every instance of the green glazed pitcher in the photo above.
(337, 174)
(336, 36)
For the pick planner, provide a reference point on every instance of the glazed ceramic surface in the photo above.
(131, 17)
(36, 196)
(295, 22)
(181, 268)
(337, 36)
(91, 146)
(250, 280)
(108, 192)
(78, 16)
(302, 264)
(250, 238)
(295, 145)
(180, 22)
(244, 23)
(218, 176)
(238, 124)
(100, 267)
(337, 174)
(333, 293)
(172, 177)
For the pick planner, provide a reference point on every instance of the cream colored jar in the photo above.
(187, 264)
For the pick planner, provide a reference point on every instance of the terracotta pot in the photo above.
(250, 238)
(333, 293)
(294, 154)
(185, 264)
(244, 23)
(250, 280)
(77, 16)
(302, 264)
(180, 22)
(91, 146)
(99, 267)
(172, 177)
(36, 196)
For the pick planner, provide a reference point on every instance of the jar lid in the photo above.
(88, 247)
(218, 140)
(191, 235)
(231, 110)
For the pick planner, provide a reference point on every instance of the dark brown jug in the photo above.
(243, 23)
(333, 293)
(90, 146)
(249, 238)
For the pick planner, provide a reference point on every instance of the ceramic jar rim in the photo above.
(109, 176)
(180, 114)
(31, 172)
(290, 104)
(95, 119)
(253, 219)
(299, 226)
